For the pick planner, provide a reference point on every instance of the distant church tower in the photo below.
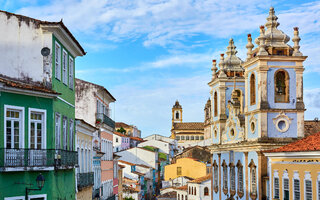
(176, 113)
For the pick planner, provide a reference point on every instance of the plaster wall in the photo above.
(291, 132)
(163, 146)
(20, 49)
(139, 156)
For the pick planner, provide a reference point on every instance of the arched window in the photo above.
(182, 197)
(177, 115)
(252, 89)
(225, 177)
(215, 98)
(281, 86)
(240, 178)
(206, 191)
(253, 180)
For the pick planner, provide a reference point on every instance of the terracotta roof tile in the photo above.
(172, 194)
(26, 86)
(185, 187)
(137, 139)
(119, 134)
(122, 124)
(188, 126)
(201, 179)
(310, 143)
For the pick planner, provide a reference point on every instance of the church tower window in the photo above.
(281, 82)
(177, 115)
(252, 89)
(215, 104)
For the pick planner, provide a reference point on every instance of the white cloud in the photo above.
(312, 103)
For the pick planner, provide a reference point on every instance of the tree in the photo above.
(121, 130)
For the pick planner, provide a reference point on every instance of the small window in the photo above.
(178, 137)
(225, 178)
(201, 138)
(276, 188)
(64, 132)
(58, 130)
(232, 179)
(197, 137)
(206, 191)
(179, 171)
(252, 89)
(281, 80)
(182, 137)
(177, 115)
(216, 176)
(65, 67)
(240, 179)
(253, 181)
(71, 73)
(117, 140)
(215, 97)
(308, 192)
(187, 137)
(195, 191)
(192, 137)
(286, 191)
(57, 61)
(71, 134)
(296, 189)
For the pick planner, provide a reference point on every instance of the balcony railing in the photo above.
(37, 158)
(84, 180)
(106, 120)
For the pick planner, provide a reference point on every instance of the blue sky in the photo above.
(148, 53)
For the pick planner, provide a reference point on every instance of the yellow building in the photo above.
(185, 167)
(294, 170)
(85, 175)
(185, 132)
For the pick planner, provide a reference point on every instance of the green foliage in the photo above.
(121, 130)
(162, 156)
(128, 198)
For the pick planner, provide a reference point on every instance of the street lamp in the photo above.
(40, 183)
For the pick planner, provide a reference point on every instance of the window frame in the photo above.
(64, 133)
(287, 86)
(57, 63)
(179, 171)
(307, 177)
(71, 135)
(252, 89)
(206, 191)
(71, 72)
(57, 135)
(215, 105)
(21, 125)
(296, 177)
(44, 126)
(64, 66)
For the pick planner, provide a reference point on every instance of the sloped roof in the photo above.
(40, 22)
(201, 179)
(185, 187)
(78, 81)
(188, 126)
(125, 162)
(172, 194)
(122, 124)
(26, 86)
(310, 143)
(119, 134)
(137, 139)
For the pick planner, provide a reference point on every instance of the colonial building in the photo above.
(294, 171)
(37, 103)
(257, 104)
(84, 173)
(185, 167)
(185, 132)
(93, 106)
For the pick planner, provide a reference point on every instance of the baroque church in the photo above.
(256, 105)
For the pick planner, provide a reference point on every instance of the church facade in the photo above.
(256, 105)
(185, 133)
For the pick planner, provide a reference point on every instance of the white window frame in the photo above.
(57, 64)
(21, 128)
(30, 197)
(71, 72)
(307, 177)
(240, 180)
(71, 135)
(275, 175)
(65, 67)
(15, 198)
(44, 127)
(296, 177)
(285, 176)
(65, 133)
(57, 135)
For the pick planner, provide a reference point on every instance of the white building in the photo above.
(200, 188)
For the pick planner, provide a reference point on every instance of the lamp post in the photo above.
(40, 183)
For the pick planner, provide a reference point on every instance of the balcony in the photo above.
(84, 180)
(106, 120)
(37, 159)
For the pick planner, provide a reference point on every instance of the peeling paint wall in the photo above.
(20, 49)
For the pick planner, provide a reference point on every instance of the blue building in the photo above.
(256, 105)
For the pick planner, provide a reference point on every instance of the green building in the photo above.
(37, 109)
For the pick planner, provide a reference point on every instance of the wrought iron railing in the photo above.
(37, 158)
(113, 197)
(105, 119)
(84, 179)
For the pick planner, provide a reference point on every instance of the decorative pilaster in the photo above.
(296, 39)
(249, 46)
